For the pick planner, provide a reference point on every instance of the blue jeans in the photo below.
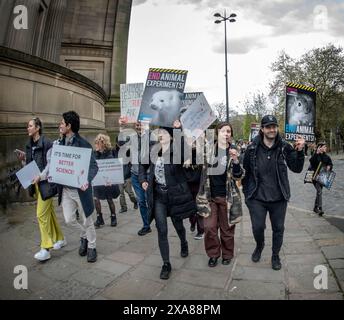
(141, 199)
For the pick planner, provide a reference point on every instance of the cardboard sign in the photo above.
(255, 127)
(300, 112)
(131, 96)
(69, 166)
(188, 99)
(110, 171)
(197, 118)
(162, 97)
(26, 174)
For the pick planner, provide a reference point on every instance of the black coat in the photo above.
(86, 197)
(105, 192)
(181, 203)
(317, 158)
(287, 156)
(39, 155)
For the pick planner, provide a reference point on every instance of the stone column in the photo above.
(120, 48)
(23, 39)
(118, 65)
(53, 32)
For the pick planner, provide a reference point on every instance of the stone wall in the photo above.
(30, 86)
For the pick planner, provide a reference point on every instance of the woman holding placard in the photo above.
(36, 150)
(320, 160)
(103, 150)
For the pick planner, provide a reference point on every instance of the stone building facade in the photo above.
(55, 56)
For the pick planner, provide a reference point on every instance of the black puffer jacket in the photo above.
(286, 156)
(181, 203)
(39, 154)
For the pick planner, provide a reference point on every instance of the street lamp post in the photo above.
(224, 19)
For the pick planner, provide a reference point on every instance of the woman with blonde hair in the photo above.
(103, 150)
(36, 150)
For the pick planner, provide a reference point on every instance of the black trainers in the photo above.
(165, 271)
(113, 220)
(123, 210)
(257, 253)
(276, 262)
(192, 228)
(99, 221)
(212, 262)
(184, 251)
(226, 262)
(83, 247)
(92, 255)
(135, 205)
(144, 231)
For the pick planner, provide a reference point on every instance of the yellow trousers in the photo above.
(48, 225)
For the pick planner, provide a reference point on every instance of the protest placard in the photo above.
(188, 99)
(300, 112)
(26, 174)
(255, 127)
(131, 95)
(197, 118)
(69, 166)
(110, 171)
(162, 97)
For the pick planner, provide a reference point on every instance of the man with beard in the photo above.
(266, 185)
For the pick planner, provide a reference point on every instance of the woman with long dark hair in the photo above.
(221, 183)
(168, 194)
(37, 150)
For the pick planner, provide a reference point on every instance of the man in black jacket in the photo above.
(81, 199)
(266, 185)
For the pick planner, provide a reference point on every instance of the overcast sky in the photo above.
(181, 34)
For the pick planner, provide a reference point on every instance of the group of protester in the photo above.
(207, 194)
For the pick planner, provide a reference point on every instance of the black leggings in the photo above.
(160, 215)
(99, 206)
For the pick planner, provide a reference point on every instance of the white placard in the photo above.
(131, 96)
(69, 165)
(197, 118)
(28, 173)
(110, 171)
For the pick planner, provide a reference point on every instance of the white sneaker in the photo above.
(59, 244)
(42, 255)
(199, 236)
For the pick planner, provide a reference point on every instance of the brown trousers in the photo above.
(218, 220)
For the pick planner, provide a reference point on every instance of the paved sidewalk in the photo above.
(128, 266)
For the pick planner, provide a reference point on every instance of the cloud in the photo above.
(240, 46)
(284, 17)
(138, 2)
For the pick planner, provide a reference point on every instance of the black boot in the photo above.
(92, 255)
(113, 220)
(83, 247)
(165, 271)
(184, 251)
(276, 262)
(100, 221)
(257, 252)
(321, 212)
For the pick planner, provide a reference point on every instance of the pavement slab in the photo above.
(128, 266)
